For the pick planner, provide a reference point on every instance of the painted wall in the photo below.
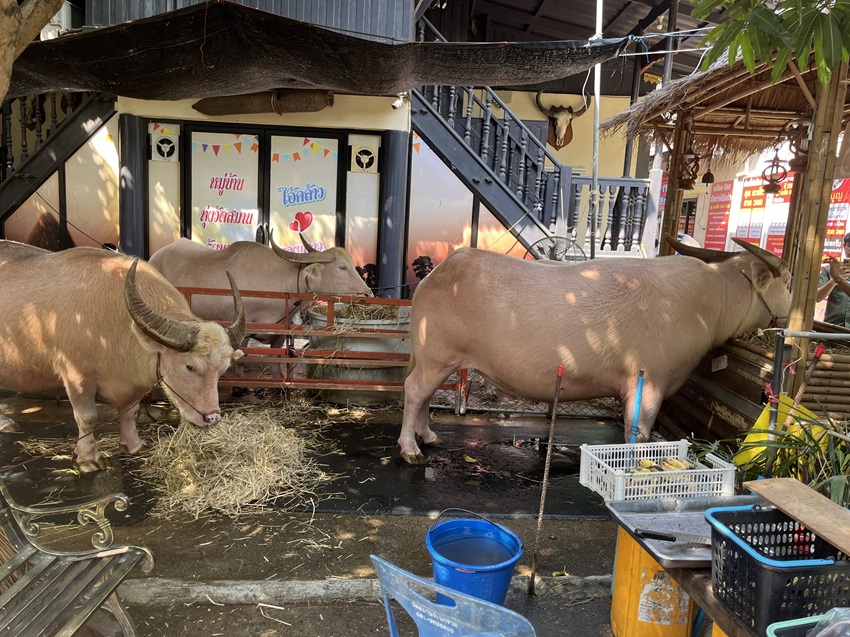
(348, 111)
(440, 206)
(91, 185)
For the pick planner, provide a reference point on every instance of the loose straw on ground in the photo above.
(545, 481)
(252, 458)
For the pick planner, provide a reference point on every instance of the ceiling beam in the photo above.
(726, 131)
(536, 17)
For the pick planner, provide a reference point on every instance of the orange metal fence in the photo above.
(296, 364)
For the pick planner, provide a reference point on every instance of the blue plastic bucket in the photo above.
(476, 557)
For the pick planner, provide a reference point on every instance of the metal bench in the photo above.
(51, 592)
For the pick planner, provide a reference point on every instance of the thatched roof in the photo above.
(727, 108)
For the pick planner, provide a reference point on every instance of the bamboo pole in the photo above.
(672, 209)
(815, 207)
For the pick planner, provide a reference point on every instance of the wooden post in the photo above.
(792, 228)
(814, 206)
(673, 203)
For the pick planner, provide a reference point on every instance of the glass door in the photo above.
(304, 191)
(225, 188)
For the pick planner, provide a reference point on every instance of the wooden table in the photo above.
(696, 582)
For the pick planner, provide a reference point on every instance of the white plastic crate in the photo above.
(605, 469)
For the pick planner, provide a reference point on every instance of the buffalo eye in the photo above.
(190, 367)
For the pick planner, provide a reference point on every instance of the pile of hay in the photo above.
(254, 457)
(358, 312)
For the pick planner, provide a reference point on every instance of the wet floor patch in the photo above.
(491, 465)
(493, 468)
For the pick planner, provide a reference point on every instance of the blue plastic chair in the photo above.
(461, 616)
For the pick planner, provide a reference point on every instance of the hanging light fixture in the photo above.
(708, 177)
(774, 174)
(798, 143)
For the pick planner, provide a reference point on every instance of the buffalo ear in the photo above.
(762, 274)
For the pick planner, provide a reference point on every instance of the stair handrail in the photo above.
(459, 140)
(502, 105)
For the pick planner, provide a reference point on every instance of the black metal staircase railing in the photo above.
(37, 136)
(499, 157)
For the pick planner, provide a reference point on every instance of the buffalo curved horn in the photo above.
(297, 257)
(553, 110)
(236, 330)
(703, 254)
(583, 109)
(773, 262)
(546, 111)
(306, 244)
(174, 334)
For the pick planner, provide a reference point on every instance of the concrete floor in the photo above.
(304, 572)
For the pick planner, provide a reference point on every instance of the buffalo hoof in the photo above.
(7, 425)
(436, 442)
(134, 449)
(411, 458)
(90, 466)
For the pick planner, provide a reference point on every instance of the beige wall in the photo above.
(348, 111)
(579, 152)
(91, 186)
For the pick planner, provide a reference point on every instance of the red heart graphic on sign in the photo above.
(302, 221)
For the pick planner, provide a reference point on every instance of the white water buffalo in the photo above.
(106, 327)
(186, 263)
(516, 321)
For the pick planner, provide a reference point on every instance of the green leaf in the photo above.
(803, 32)
(803, 54)
(702, 9)
(779, 66)
(760, 44)
(766, 20)
(828, 42)
(747, 51)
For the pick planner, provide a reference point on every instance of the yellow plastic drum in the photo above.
(646, 602)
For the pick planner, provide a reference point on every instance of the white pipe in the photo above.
(594, 183)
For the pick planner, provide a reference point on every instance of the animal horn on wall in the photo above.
(173, 334)
(236, 330)
(703, 254)
(584, 108)
(296, 257)
(306, 244)
(772, 261)
(546, 111)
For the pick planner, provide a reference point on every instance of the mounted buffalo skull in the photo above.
(561, 121)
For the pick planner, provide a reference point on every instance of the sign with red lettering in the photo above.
(836, 222)
(717, 223)
(751, 216)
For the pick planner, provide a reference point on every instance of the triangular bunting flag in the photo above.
(254, 147)
(416, 146)
(204, 146)
(326, 152)
(306, 141)
(216, 148)
(155, 127)
(238, 147)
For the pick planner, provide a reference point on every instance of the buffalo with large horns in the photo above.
(516, 321)
(106, 327)
(186, 263)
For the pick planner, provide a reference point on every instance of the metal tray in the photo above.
(674, 515)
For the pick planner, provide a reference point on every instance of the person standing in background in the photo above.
(834, 284)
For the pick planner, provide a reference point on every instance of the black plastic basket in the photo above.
(766, 567)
